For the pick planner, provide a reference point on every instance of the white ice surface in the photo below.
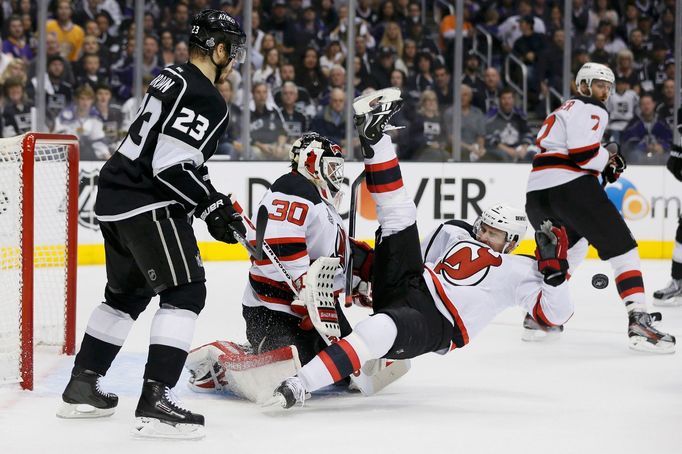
(585, 393)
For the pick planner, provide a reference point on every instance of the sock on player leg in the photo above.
(371, 339)
(629, 283)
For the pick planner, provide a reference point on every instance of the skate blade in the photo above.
(675, 301)
(155, 428)
(82, 411)
(366, 103)
(537, 335)
(641, 344)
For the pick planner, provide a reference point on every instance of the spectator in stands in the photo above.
(231, 142)
(52, 49)
(310, 29)
(625, 69)
(646, 139)
(91, 46)
(337, 79)
(111, 116)
(339, 33)
(613, 43)
(409, 57)
(629, 22)
(665, 108)
(309, 75)
(507, 132)
(304, 104)
(331, 121)
(88, 10)
(92, 73)
(423, 79)
(655, 75)
(69, 35)
(328, 15)
(427, 131)
(81, 119)
(392, 37)
(598, 53)
(472, 127)
(364, 54)
(333, 56)
(166, 48)
(487, 99)
(510, 30)
(602, 11)
(665, 27)
(384, 64)
(550, 64)
(57, 91)
(269, 72)
(529, 46)
(130, 106)
(282, 28)
(387, 14)
(181, 52)
(581, 20)
(105, 38)
(443, 87)
(295, 123)
(361, 80)
(16, 116)
(621, 106)
(268, 136)
(472, 76)
(366, 12)
(16, 43)
(179, 25)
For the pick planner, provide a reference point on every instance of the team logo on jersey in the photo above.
(467, 263)
(87, 194)
(627, 199)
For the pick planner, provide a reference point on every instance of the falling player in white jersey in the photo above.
(564, 187)
(436, 296)
(303, 225)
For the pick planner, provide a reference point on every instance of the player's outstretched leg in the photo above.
(373, 111)
(672, 294)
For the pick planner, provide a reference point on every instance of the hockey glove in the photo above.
(220, 217)
(362, 294)
(615, 166)
(551, 253)
(363, 259)
(674, 163)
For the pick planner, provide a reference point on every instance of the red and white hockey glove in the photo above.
(551, 253)
(362, 293)
(616, 164)
(363, 259)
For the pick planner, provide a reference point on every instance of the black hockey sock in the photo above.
(96, 355)
(677, 270)
(164, 364)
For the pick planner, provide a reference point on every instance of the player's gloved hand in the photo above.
(551, 253)
(674, 163)
(362, 294)
(220, 217)
(363, 259)
(616, 164)
(300, 308)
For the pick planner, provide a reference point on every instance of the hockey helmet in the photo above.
(211, 27)
(593, 71)
(320, 161)
(511, 221)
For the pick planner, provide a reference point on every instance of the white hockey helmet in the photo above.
(593, 71)
(321, 161)
(511, 221)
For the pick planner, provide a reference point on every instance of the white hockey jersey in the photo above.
(570, 144)
(301, 228)
(621, 107)
(470, 283)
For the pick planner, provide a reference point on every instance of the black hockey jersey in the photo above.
(181, 119)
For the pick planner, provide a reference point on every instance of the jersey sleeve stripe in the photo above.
(585, 148)
(329, 364)
(177, 191)
(385, 176)
(554, 161)
(460, 336)
(385, 187)
(171, 151)
(539, 315)
(382, 166)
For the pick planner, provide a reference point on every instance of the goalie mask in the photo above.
(320, 161)
(511, 221)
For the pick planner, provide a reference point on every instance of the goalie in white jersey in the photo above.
(563, 186)
(435, 297)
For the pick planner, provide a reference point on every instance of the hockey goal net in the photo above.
(38, 228)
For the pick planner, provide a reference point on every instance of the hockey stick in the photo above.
(352, 212)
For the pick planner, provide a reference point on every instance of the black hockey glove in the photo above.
(615, 166)
(220, 217)
(551, 253)
(674, 163)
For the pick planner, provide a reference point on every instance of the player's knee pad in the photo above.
(191, 297)
(132, 305)
(378, 334)
(396, 215)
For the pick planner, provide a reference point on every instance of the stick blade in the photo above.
(261, 226)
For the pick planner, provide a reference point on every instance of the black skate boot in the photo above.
(644, 337)
(669, 296)
(372, 114)
(289, 393)
(534, 332)
(159, 415)
(83, 397)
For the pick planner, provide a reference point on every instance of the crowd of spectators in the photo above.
(298, 70)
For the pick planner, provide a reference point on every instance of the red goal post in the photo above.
(38, 249)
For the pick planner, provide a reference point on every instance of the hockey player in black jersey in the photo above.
(148, 191)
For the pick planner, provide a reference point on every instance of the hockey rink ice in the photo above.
(584, 393)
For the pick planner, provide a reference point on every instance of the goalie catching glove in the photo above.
(551, 253)
(616, 164)
(674, 163)
(220, 217)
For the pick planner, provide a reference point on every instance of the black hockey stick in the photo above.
(352, 212)
(261, 225)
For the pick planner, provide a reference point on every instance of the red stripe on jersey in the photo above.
(272, 299)
(581, 149)
(265, 280)
(539, 314)
(628, 274)
(631, 291)
(284, 258)
(352, 354)
(329, 364)
(449, 306)
(284, 240)
(385, 187)
(382, 165)
(573, 169)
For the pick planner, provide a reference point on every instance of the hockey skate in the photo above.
(534, 332)
(669, 296)
(289, 393)
(159, 415)
(83, 397)
(372, 114)
(644, 337)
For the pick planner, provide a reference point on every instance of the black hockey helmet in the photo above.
(211, 27)
(321, 161)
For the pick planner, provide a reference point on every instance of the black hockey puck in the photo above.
(600, 281)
